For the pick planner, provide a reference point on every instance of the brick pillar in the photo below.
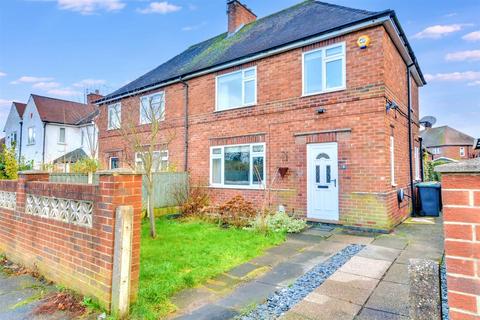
(23, 178)
(123, 188)
(461, 203)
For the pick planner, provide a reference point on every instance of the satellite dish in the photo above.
(428, 121)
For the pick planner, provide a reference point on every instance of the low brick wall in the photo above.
(461, 203)
(66, 231)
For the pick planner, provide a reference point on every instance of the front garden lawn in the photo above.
(186, 254)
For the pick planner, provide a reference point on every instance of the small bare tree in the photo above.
(147, 142)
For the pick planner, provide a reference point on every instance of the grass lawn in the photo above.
(186, 254)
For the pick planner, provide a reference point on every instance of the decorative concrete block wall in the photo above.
(461, 203)
(67, 231)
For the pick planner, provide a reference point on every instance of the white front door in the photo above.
(322, 181)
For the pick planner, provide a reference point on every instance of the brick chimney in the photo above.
(93, 96)
(238, 15)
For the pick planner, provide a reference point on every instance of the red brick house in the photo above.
(310, 103)
(446, 143)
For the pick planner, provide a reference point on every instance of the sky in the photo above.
(63, 48)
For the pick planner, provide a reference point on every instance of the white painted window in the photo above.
(436, 151)
(114, 163)
(324, 69)
(417, 163)
(114, 116)
(159, 161)
(152, 108)
(462, 151)
(83, 138)
(61, 135)
(31, 135)
(12, 138)
(238, 166)
(236, 89)
(392, 161)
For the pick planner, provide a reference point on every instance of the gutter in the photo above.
(383, 18)
(21, 142)
(410, 142)
(186, 97)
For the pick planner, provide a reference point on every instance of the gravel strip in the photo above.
(283, 300)
(443, 281)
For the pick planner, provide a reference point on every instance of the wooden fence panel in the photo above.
(166, 184)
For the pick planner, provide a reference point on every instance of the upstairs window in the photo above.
(159, 161)
(238, 166)
(236, 89)
(61, 136)
(324, 69)
(114, 116)
(31, 135)
(152, 108)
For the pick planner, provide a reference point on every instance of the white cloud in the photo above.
(46, 85)
(89, 83)
(472, 36)
(30, 79)
(87, 7)
(5, 102)
(160, 7)
(438, 31)
(194, 27)
(63, 92)
(454, 76)
(474, 83)
(2, 74)
(471, 55)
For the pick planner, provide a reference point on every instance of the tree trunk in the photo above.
(151, 209)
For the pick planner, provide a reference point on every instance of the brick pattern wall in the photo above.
(78, 257)
(281, 118)
(453, 152)
(461, 199)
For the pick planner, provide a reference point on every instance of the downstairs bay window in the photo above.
(238, 166)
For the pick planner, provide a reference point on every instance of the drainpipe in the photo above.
(410, 143)
(186, 97)
(420, 140)
(44, 138)
(20, 144)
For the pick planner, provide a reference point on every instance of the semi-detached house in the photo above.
(310, 103)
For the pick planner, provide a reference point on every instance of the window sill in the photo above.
(304, 95)
(213, 186)
(235, 108)
(113, 129)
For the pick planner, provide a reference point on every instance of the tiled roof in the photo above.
(20, 108)
(302, 21)
(445, 136)
(72, 156)
(62, 111)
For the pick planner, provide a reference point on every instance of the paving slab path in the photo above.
(371, 285)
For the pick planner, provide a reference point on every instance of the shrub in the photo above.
(195, 201)
(9, 164)
(277, 222)
(235, 212)
(85, 166)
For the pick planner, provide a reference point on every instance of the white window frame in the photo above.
(31, 140)
(110, 161)
(325, 60)
(417, 163)
(244, 80)
(162, 158)
(392, 161)
(251, 173)
(462, 151)
(146, 121)
(60, 135)
(119, 111)
(436, 151)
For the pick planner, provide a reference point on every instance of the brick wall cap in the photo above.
(118, 172)
(30, 172)
(472, 165)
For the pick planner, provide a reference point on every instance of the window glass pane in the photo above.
(250, 73)
(317, 174)
(334, 74)
(217, 171)
(257, 148)
(250, 92)
(217, 151)
(258, 170)
(229, 93)
(328, 172)
(237, 165)
(334, 51)
(313, 72)
(62, 135)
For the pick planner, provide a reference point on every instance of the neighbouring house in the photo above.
(46, 129)
(449, 144)
(309, 103)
